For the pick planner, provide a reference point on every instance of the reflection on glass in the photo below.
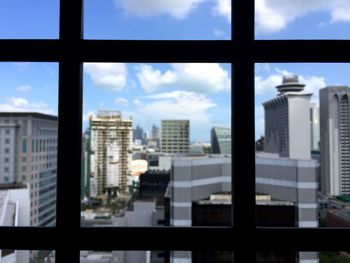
(26, 256)
(148, 133)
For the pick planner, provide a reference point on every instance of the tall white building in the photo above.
(28, 153)
(315, 126)
(335, 139)
(175, 136)
(110, 152)
(287, 124)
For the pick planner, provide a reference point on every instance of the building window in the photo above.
(7, 141)
(24, 146)
(7, 150)
(6, 169)
(7, 131)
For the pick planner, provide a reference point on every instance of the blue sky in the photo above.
(178, 19)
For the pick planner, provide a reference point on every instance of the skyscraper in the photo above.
(335, 139)
(138, 134)
(28, 154)
(220, 140)
(287, 124)
(155, 132)
(110, 152)
(175, 136)
(315, 126)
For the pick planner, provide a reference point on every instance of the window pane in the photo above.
(292, 257)
(27, 256)
(156, 256)
(133, 19)
(302, 125)
(142, 121)
(302, 19)
(28, 112)
(29, 19)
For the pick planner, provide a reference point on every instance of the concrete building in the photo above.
(14, 211)
(292, 180)
(175, 136)
(193, 179)
(220, 140)
(335, 139)
(315, 126)
(287, 123)
(28, 153)
(110, 153)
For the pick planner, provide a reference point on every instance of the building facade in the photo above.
(315, 126)
(28, 154)
(287, 123)
(175, 136)
(220, 140)
(335, 140)
(110, 153)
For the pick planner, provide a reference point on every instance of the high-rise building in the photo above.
(155, 132)
(110, 153)
(287, 124)
(220, 140)
(28, 153)
(315, 126)
(175, 136)
(138, 134)
(335, 139)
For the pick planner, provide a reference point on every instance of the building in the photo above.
(287, 123)
(175, 136)
(28, 153)
(14, 211)
(110, 153)
(155, 132)
(335, 139)
(220, 140)
(158, 161)
(315, 126)
(138, 134)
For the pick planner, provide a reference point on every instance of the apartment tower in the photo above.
(175, 136)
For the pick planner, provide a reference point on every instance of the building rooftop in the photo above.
(7, 210)
(290, 83)
(29, 114)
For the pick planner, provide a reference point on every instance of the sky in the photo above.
(178, 19)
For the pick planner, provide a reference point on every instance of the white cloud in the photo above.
(121, 101)
(23, 88)
(16, 104)
(340, 11)
(274, 15)
(179, 9)
(87, 115)
(178, 105)
(268, 85)
(220, 34)
(107, 75)
(198, 77)
(223, 8)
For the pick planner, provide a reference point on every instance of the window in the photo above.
(7, 141)
(24, 146)
(71, 51)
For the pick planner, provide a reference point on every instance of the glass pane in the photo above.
(302, 125)
(140, 122)
(146, 20)
(29, 19)
(28, 143)
(290, 19)
(26, 256)
(292, 257)
(156, 256)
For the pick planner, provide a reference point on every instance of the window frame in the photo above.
(71, 50)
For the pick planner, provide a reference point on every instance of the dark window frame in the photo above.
(70, 50)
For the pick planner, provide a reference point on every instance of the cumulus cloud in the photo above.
(198, 77)
(178, 104)
(23, 88)
(223, 8)
(274, 15)
(176, 8)
(108, 75)
(17, 104)
(121, 101)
